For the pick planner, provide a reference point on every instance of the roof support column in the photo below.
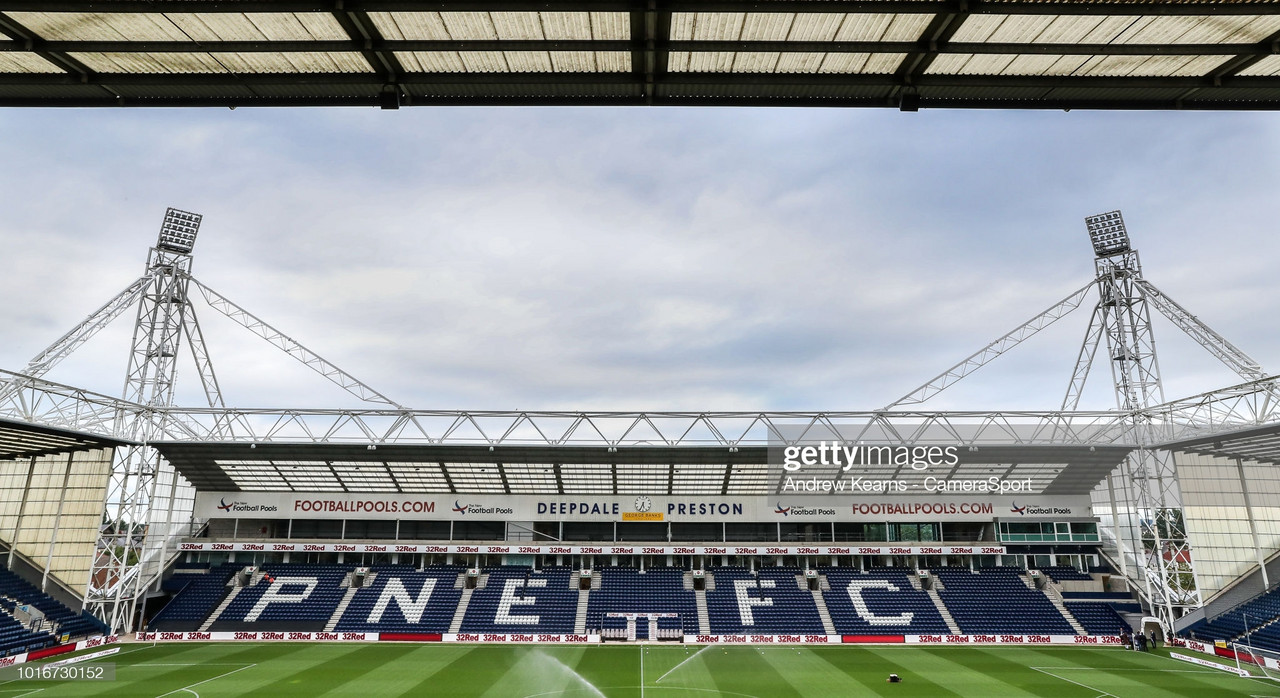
(1253, 526)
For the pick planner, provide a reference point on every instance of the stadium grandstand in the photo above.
(388, 523)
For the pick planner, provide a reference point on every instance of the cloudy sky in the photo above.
(643, 258)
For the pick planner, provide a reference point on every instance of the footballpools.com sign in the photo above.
(654, 508)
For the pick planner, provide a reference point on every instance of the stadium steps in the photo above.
(204, 627)
(704, 618)
(823, 613)
(1055, 598)
(915, 581)
(942, 608)
(342, 607)
(456, 624)
(580, 615)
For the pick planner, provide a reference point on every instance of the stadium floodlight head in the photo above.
(1107, 232)
(178, 232)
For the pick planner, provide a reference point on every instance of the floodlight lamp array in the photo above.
(178, 232)
(1108, 233)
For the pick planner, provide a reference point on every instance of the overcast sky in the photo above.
(641, 258)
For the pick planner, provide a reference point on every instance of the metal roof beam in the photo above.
(364, 32)
(372, 48)
(739, 80)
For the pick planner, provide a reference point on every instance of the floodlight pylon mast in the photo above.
(1123, 319)
(141, 515)
(129, 554)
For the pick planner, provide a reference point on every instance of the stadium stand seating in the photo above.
(627, 590)
(1065, 574)
(1246, 617)
(877, 601)
(15, 639)
(189, 609)
(1097, 618)
(893, 605)
(768, 601)
(984, 602)
(520, 599)
(67, 621)
(286, 597)
(404, 610)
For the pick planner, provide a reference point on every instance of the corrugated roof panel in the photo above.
(865, 63)
(294, 62)
(800, 63)
(707, 26)
(517, 25)
(431, 61)
(1151, 65)
(608, 26)
(1036, 64)
(949, 63)
(566, 25)
(613, 61)
(1011, 28)
(528, 61)
(1182, 30)
(573, 61)
(709, 62)
(983, 64)
(767, 27)
(484, 62)
(1045, 30)
(87, 26)
(1267, 66)
(410, 25)
(468, 25)
(150, 62)
(901, 27)
(25, 63)
(755, 62)
(820, 26)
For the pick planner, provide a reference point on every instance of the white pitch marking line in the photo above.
(1082, 685)
(686, 661)
(188, 687)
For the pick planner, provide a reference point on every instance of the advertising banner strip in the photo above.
(1212, 665)
(1001, 639)
(34, 655)
(535, 638)
(783, 508)
(256, 636)
(542, 549)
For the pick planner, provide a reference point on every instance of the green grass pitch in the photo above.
(278, 670)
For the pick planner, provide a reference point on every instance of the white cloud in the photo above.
(637, 258)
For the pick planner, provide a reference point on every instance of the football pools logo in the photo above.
(1020, 510)
(227, 507)
(782, 510)
(460, 508)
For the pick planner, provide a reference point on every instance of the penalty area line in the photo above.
(1082, 685)
(190, 686)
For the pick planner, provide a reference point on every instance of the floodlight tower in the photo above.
(1122, 318)
(120, 572)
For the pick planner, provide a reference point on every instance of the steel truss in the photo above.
(1121, 320)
